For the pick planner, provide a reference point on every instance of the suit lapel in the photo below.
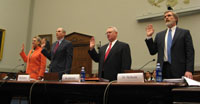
(59, 47)
(104, 52)
(112, 50)
(163, 39)
(176, 34)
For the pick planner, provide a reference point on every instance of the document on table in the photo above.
(191, 82)
(175, 80)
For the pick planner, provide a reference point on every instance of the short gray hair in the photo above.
(63, 30)
(114, 28)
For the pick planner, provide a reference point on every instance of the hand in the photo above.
(43, 45)
(92, 43)
(149, 30)
(188, 74)
(22, 47)
(40, 78)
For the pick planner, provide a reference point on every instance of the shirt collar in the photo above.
(114, 42)
(173, 28)
(60, 40)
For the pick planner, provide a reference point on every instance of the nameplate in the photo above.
(23, 78)
(71, 77)
(130, 77)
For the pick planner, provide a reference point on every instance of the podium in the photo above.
(81, 58)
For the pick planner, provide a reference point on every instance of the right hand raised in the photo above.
(149, 30)
(43, 45)
(92, 43)
(22, 47)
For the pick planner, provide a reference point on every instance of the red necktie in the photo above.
(57, 44)
(106, 55)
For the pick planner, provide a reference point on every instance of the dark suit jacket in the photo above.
(61, 60)
(118, 60)
(182, 51)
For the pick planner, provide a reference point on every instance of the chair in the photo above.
(196, 77)
(51, 76)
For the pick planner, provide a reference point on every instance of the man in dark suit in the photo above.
(113, 57)
(174, 47)
(60, 55)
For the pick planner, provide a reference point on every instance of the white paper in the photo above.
(175, 80)
(192, 82)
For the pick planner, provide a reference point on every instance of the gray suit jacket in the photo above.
(61, 60)
(182, 51)
(118, 60)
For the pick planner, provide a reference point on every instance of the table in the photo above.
(186, 94)
(90, 91)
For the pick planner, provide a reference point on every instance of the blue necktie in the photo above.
(169, 44)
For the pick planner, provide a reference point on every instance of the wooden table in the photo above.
(91, 91)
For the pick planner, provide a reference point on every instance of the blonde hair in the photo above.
(38, 39)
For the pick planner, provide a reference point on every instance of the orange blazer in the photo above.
(36, 63)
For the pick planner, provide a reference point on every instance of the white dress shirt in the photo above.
(166, 36)
(113, 43)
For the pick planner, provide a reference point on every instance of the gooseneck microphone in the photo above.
(146, 64)
(10, 75)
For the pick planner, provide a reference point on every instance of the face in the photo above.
(43, 41)
(111, 34)
(59, 33)
(35, 43)
(170, 20)
(148, 75)
(154, 73)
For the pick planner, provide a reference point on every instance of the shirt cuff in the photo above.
(149, 37)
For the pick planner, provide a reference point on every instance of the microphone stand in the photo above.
(146, 64)
(10, 74)
(99, 46)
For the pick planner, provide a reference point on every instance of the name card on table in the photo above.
(71, 77)
(130, 77)
(23, 78)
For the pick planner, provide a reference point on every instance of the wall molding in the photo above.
(180, 12)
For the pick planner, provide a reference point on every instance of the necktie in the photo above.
(57, 44)
(169, 44)
(107, 52)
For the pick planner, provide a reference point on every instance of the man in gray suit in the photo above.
(61, 54)
(174, 47)
(113, 58)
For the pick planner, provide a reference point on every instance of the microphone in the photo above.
(146, 64)
(99, 45)
(11, 75)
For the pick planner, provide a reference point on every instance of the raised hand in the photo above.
(22, 47)
(43, 45)
(149, 30)
(92, 43)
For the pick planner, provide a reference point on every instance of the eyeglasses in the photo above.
(169, 15)
(109, 32)
(58, 31)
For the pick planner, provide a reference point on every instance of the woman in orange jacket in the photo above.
(36, 61)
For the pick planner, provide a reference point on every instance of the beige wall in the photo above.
(92, 17)
(14, 19)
